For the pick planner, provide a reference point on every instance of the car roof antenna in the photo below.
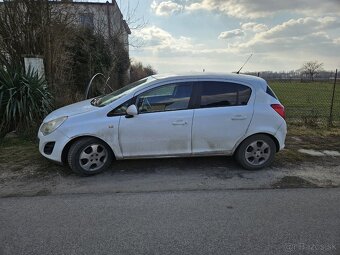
(238, 72)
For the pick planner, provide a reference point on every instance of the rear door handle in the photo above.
(179, 123)
(239, 117)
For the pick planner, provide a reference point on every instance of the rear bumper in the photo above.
(281, 135)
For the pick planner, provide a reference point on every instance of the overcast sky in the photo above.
(219, 35)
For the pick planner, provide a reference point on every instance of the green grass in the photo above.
(310, 100)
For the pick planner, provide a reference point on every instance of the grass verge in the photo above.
(301, 137)
(20, 158)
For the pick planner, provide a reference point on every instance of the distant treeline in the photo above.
(296, 75)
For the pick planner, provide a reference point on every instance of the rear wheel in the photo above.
(256, 152)
(89, 156)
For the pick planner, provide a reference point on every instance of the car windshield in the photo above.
(109, 98)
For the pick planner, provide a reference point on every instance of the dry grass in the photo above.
(302, 137)
(301, 130)
(20, 158)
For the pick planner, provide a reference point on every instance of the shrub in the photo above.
(139, 71)
(24, 99)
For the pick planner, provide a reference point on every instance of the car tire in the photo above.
(89, 156)
(256, 152)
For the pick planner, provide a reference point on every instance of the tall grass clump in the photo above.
(24, 100)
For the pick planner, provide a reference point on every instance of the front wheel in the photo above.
(256, 152)
(89, 156)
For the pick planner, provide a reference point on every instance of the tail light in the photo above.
(279, 109)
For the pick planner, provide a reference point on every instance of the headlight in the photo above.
(49, 127)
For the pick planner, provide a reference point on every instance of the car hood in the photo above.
(71, 110)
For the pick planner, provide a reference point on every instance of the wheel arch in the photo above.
(277, 144)
(67, 147)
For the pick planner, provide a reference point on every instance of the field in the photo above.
(308, 101)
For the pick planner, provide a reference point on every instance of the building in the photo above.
(105, 18)
(34, 36)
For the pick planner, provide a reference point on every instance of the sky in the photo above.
(219, 35)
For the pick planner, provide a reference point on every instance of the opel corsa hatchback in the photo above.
(169, 116)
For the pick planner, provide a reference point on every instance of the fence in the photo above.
(315, 103)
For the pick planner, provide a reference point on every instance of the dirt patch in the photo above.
(43, 192)
(293, 182)
(297, 142)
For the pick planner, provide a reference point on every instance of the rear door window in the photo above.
(223, 94)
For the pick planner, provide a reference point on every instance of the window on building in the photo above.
(86, 20)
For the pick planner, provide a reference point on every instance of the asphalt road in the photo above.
(290, 221)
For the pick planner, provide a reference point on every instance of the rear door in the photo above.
(222, 115)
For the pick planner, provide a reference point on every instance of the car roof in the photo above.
(249, 79)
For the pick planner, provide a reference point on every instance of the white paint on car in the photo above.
(177, 115)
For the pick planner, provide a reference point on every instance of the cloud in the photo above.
(161, 43)
(157, 39)
(303, 34)
(166, 8)
(254, 27)
(278, 47)
(249, 9)
(231, 34)
(300, 27)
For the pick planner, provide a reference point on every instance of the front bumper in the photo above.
(59, 140)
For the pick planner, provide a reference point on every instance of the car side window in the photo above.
(221, 94)
(270, 92)
(169, 97)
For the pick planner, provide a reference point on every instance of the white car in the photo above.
(169, 116)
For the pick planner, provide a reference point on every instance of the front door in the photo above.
(163, 125)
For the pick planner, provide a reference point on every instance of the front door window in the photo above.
(165, 98)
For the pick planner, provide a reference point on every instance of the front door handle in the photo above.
(238, 117)
(179, 123)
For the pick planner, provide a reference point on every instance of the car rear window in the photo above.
(271, 92)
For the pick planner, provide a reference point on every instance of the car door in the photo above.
(163, 124)
(222, 117)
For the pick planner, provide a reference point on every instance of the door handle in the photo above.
(238, 117)
(179, 123)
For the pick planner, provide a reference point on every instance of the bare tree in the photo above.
(312, 68)
(135, 23)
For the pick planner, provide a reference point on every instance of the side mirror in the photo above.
(132, 110)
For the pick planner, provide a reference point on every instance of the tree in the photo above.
(312, 68)
(72, 52)
(138, 71)
(43, 28)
